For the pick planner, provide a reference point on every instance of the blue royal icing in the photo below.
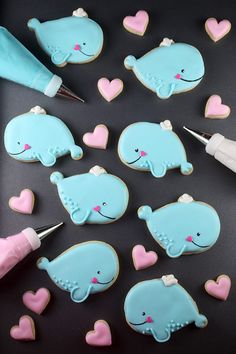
(168, 69)
(84, 269)
(75, 39)
(184, 227)
(36, 136)
(153, 147)
(159, 307)
(95, 197)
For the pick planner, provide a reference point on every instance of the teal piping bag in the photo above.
(18, 64)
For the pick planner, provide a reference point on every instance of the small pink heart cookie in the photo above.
(143, 259)
(25, 331)
(215, 108)
(100, 336)
(38, 301)
(110, 89)
(217, 30)
(98, 139)
(219, 288)
(137, 24)
(24, 203)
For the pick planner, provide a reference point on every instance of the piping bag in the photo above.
(19, 65)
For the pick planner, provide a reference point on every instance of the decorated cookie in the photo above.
(217, 30)
(37, 301)
(25, 331)
(220, 288)
(100, 336)
(110, 89)
(168, 69)
(143, 259)
(24, 203)
(215, 108)
(184, 227)
(95, 197)
(36, 136)
(137, 24)
(98, 138)
(153, 147)
(76, 39)
(159, 307)
(84, 269)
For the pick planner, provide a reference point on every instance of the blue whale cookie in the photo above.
(184, 227)
(159, 307)
(153, 147)
(36, 136)
(95, 197)
(168, 69)
(84, 269)
(76, 39)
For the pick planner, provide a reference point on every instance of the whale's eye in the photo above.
(84, 43)
(98, 272)
(104, 203)
(136, 150)
(18, 142)
(198, 234)
(144, 313)
(182, 71)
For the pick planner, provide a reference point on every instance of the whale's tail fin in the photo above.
(33, 24)
(186, 168)
(201, 321)
(43, 263)
(129, 62)
(56, 177)
(144, 212)
(76, 152)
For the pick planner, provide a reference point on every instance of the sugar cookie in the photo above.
(100, 336)
(25, 331)
(37, 301)
(143, 259)
(137, 24)
(220, 288)
(24, 203)
(98, 138)
(110, 89)
(217, 30)
(215, 108)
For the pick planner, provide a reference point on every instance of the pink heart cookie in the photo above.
(217, 30)
(38, 301)
(25, 330)
(110, 89)
(24, 203)
(143, 259)
(215, 108)
(219, 288)
(137, 24)
(98, 139)
(100, 336)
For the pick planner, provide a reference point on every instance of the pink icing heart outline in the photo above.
(100, 336)
(24, 203)
(25, 330)
(217, 30)
(110, 89)
(220, 288)
(98, 138)
(143, 259)
(137, 24)
(36, 301)
(215, 108)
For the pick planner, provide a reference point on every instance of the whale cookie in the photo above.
(159, 307)
(153, 147)
(76, 39)
(95, 197)
(168, 69)
(84, 269)
(183, 227)
(36, 136)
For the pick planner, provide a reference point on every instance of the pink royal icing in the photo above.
(25, 330)
(138, 23)
(217, 30)
(98, 139)
(38, 301)
(215, 108)
(110, 89)
(24, 203)
(100, 336)
(219, 288)
(143, 259)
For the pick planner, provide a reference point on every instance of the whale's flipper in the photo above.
(201, 321)
(79, 294)
(158, 170)
(59, 58)
(79, 216)
(186, 168)
(46, 158)
(76, 152)
(164, 91)
(173, 250)
(159, 335)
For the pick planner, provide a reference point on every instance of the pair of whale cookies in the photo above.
(76, 39)
(153, 147)
(96, 197)
(159, 307)
(184, 227)
(84, 269)
(36, 136)
(168, 69)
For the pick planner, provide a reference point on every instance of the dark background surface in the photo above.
(64, 324)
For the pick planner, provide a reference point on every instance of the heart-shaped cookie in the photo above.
(98, 139)
(100, 336)
(217, 30)
(219, 288)
(25, 331)
(143, 259)
(110, 89)
(38, 301)
(137, 24)
(215, 108)
(24, 203)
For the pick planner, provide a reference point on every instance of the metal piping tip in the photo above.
(46, 230)
(67, 93)
(201, 136)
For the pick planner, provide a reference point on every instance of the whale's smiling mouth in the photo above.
(130, 163)
(17, 153)
(104, 283)
(181, 78)
(88, 55)
(106, 216)
(138, 324)
(196, 244)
